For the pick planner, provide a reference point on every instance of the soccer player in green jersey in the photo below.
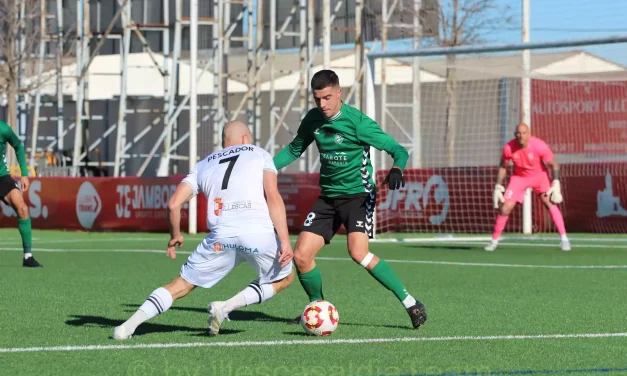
(11, 194)
(344, 136)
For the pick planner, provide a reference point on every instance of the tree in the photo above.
(460, 22)
(21, 25)
(20, 37)
(19, 40)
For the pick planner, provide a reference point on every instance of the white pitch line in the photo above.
(618, 239)
(545, 245)
(456, 263)
(435, 239)
(428, 262)
(61, 241)
(556, 245)
(87, 240)
(448, 241)
(306, 342)
(94, 250)
(462, 239)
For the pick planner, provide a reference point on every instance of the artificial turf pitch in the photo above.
(527, 308)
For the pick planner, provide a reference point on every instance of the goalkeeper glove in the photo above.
(395, 179)
(497, 196)
(555, 192)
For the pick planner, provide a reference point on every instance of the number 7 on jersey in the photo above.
(229, 169)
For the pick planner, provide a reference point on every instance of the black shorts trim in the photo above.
(328, 214)
(7, 184)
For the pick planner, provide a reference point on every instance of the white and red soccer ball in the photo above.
(320, 318)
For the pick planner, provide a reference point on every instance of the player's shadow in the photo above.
(242, 315)
(298, 334)
(145, 328)
(245, 315)
(261, 316)
(376, 325)
(446, 247)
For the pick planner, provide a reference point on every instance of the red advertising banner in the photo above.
(595, 198)
(98, 204)
(580, 117)
(446, 200)
(459, 200)
(438, 200)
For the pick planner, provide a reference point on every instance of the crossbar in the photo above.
(439, 51)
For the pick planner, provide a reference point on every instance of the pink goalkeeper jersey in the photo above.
(527, 161)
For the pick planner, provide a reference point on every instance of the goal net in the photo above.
(467, 109)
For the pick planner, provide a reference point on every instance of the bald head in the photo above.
(522, 134)
(236, 133)
(522, 127)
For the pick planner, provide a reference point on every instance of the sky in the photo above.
(560, 19)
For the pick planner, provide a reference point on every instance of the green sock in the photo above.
(385, 275)
(312, 283)
(24, 225)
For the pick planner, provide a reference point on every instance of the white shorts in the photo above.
(214, 258)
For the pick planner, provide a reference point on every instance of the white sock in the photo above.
(253, 294)
(409, 301)
(495, 241)
(27, 255)
(158, 302)
(564, 238)
(134, 321)
(237, 301)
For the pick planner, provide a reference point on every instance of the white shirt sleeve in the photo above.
(268, 163)
(192, 180)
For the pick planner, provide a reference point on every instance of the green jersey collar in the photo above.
(336, 116)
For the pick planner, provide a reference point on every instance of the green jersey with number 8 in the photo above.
(344, 143)
(7, 136)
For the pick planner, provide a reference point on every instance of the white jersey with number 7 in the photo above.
(232, 181)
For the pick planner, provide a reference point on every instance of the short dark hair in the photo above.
(323, 79)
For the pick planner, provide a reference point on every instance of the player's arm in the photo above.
(293, 151)
(182, 195)
(20, 153)
(276, 207)
(499, 188)
(555, 167)
(370, 133)
(500, 176)
(555, 192)
(185, 191)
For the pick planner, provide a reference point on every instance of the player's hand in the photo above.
(394, 179)
(176, 240)
(285, 254)
(555, 192)
(25, 183)
(497, 196)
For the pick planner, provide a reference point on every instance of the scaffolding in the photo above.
(51, 44)
(389, 9)
(258, 45)
(308, 53)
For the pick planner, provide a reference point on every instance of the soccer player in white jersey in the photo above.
(242, 225)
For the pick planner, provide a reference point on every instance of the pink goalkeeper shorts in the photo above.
(518, 184)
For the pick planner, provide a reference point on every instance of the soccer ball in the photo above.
(320, 318)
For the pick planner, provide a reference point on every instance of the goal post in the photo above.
(371, 112)
(470, 100)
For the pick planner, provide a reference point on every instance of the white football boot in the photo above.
(120, 333)
(491, 246)
(216, 317)
(565, 245)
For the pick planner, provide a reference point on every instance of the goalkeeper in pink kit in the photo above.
(530, 154)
